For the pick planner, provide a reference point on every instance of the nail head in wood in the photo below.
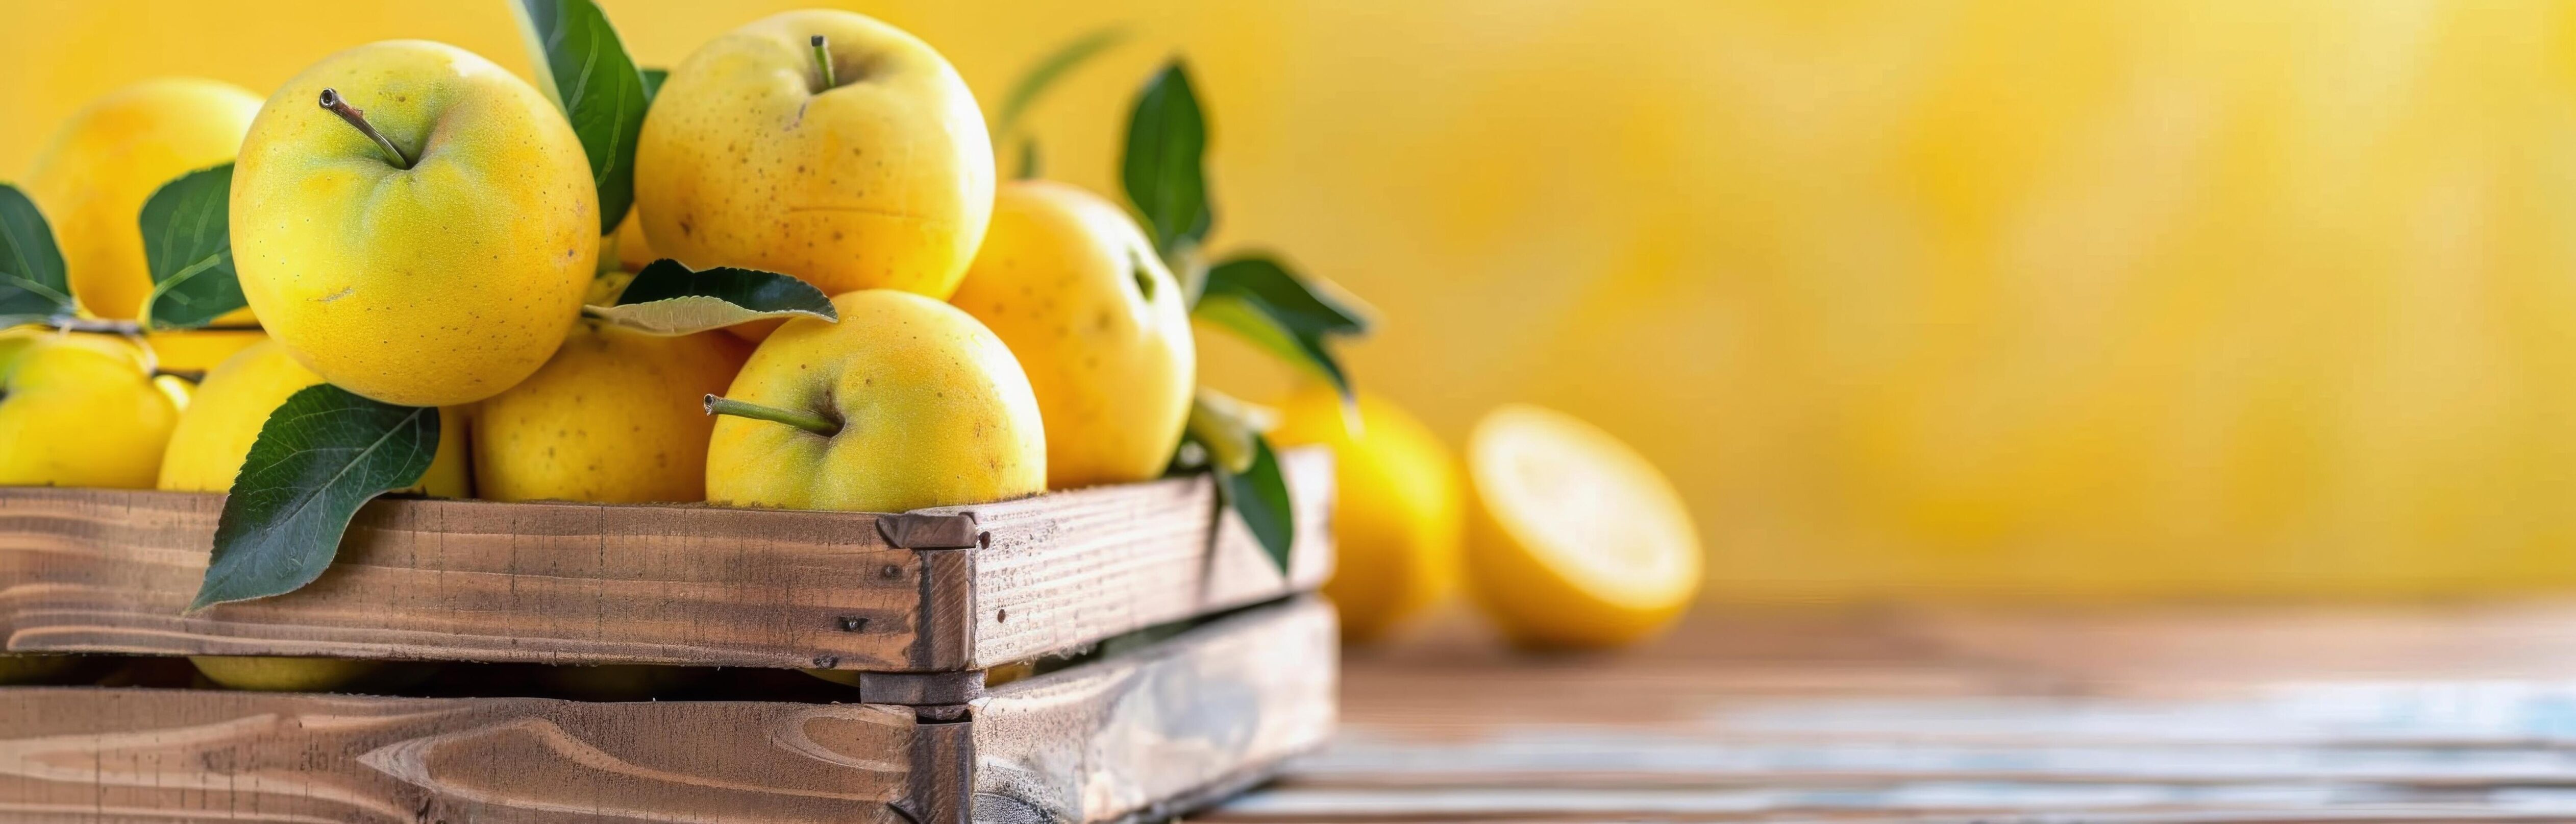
(913, 530)
(853, 623)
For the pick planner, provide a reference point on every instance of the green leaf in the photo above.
(668, 299)
(1260, 495)
(653, 84)
(320, 455)
(1164, 170)
(1048, 70)
(1296, 301)
(1028, 159)
(1263, 302)
(1247, 471)
(32, 285)
(188, 246)
(583, 68)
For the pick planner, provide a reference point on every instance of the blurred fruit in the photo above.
(264, 673)
(633, 249)
(1398, 517)
(438, 281)
(20, 668)
(221, 423)
(1574, 539)
(617, 416)
(199, 350)
(1068, 281)
(881, 180)
(99, 167)
(82, 410)
(905, 403)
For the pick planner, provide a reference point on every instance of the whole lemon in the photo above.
(223, 421)
(617, 416)
(91, 179)
(1068, 281)
(1397, 521)
(438, 272)
(881, 177)
(82, 410)
(1574, 540)
(905, 403)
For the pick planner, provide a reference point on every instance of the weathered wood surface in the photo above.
(118, 755)
(1107, 560)
(1143, 736)
(1200, 714)
(109, 571)
(2165, 714)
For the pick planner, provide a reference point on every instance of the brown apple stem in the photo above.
(331, 100)
(817, 424)
(823, 60)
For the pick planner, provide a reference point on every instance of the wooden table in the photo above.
(2145, 714)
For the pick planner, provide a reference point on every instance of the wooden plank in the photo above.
(88, 754)
(1076, 567)
(108, 571)
(1148, 735)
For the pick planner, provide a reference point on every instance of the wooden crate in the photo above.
(1139, 735)
(919, 601)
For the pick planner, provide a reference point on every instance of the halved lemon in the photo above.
(1575, 540)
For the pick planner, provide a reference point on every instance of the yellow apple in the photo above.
(1399, 519)
(438, 267)
(93, 176)
(270, 673)
(1574, 539)
(216, 432)
(882, 178)
(1068, 281)
(617, 416)
(905, 403)
(82, 410)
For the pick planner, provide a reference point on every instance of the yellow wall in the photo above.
(2200, 295)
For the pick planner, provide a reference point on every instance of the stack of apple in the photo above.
(783, 274)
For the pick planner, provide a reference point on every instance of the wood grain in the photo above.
(1093, 563)
(1143, 735)
(91, 754)
(109, 571)
(1952, 713)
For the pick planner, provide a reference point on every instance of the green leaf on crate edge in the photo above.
(321, 455)
(33, 286)
(1042, 76)
(583, 68)
(188, 247)
(668, 299)
(1229, 431)
(1164, 169)
(1259, 494)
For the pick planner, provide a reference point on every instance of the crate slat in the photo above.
(1153, 734)
(1209, 710)
(108, 571)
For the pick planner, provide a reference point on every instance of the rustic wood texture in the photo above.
(2211, 713)
(109, 571)
(1099, 562)
(120, 755)
(1148, 734)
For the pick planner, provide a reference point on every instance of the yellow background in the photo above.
(2083, 298)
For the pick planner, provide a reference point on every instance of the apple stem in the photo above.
(331, 100)
(817, 424)
(823, 60)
